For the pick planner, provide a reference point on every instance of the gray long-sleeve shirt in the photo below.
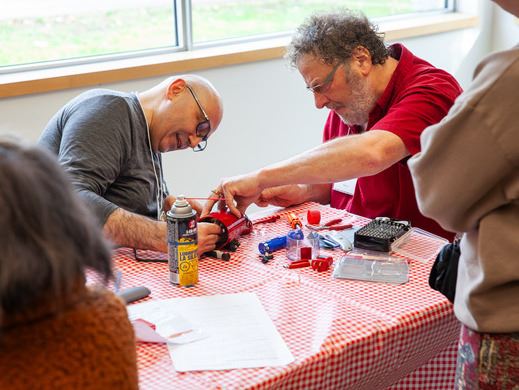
(101, 139)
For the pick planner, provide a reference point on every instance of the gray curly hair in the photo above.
(333, 37)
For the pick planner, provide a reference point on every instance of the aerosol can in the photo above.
(182, 243)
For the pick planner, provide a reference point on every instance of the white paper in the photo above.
(346, 187)
(255, 212)
(144, 332)
(176, 330)
(239, 332)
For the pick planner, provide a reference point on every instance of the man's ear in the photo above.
(362, 58)
(175, 88)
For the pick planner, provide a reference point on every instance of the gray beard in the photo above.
(363, 102)
(352, 120)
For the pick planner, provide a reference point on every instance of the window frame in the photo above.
(190, 57)
(183, 13)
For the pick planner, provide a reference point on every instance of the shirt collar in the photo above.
(404, 57)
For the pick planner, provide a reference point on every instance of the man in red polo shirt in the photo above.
(380, 100)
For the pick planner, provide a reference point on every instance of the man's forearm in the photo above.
(136, 231)
(341, 159)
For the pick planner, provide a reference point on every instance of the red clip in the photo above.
(299, 264)
(321, 265)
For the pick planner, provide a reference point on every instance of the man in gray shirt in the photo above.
(110, 144)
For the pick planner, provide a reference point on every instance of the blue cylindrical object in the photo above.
(272, 245)
(296, 234)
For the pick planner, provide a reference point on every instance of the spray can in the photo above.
(182, 243)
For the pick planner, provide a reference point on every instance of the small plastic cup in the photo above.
(297, 240)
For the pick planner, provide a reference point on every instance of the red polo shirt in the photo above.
(418, 95)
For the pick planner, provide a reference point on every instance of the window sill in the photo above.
(25, 83)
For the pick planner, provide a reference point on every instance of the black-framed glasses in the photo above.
(203, 128)
(323, 87)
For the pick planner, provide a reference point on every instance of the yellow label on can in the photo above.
(187, 262)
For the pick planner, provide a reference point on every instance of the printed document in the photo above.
(238, 332)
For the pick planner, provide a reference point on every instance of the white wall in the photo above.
(268, 116)
(505, 31)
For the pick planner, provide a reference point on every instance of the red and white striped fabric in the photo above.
(343, 334)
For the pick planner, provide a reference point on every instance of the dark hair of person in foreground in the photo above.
(47, 237)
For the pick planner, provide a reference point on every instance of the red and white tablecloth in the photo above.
(343, 334)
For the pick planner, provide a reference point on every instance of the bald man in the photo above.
(110, 144)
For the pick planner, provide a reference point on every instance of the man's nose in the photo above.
(320, 100)
(194, 140)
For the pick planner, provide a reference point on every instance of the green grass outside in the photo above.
(73, 36)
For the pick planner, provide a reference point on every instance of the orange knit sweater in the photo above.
(88, 345)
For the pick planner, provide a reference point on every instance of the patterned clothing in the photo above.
(487, 361)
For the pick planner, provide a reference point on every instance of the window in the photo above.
(214, 20)
(48, 33)
(35, 31)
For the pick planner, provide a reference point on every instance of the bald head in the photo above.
(208, 96)
(176, 108)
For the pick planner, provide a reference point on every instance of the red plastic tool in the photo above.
(298, 264)
(294, 221)
(331, 225)
(322, 264)
(270, 218)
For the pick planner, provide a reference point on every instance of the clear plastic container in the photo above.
(296, 240)
(386, 269)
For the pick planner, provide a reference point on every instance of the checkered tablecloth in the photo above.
(343, 334)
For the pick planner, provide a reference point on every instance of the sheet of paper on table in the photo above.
(239, 332)
(346, 187)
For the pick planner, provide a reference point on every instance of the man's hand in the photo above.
(283, 196)
(208, 234)
(168, 203)
(239, 192)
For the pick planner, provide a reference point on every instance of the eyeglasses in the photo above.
(203, 128)
(323, 87)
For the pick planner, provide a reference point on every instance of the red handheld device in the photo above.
(232, 226)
